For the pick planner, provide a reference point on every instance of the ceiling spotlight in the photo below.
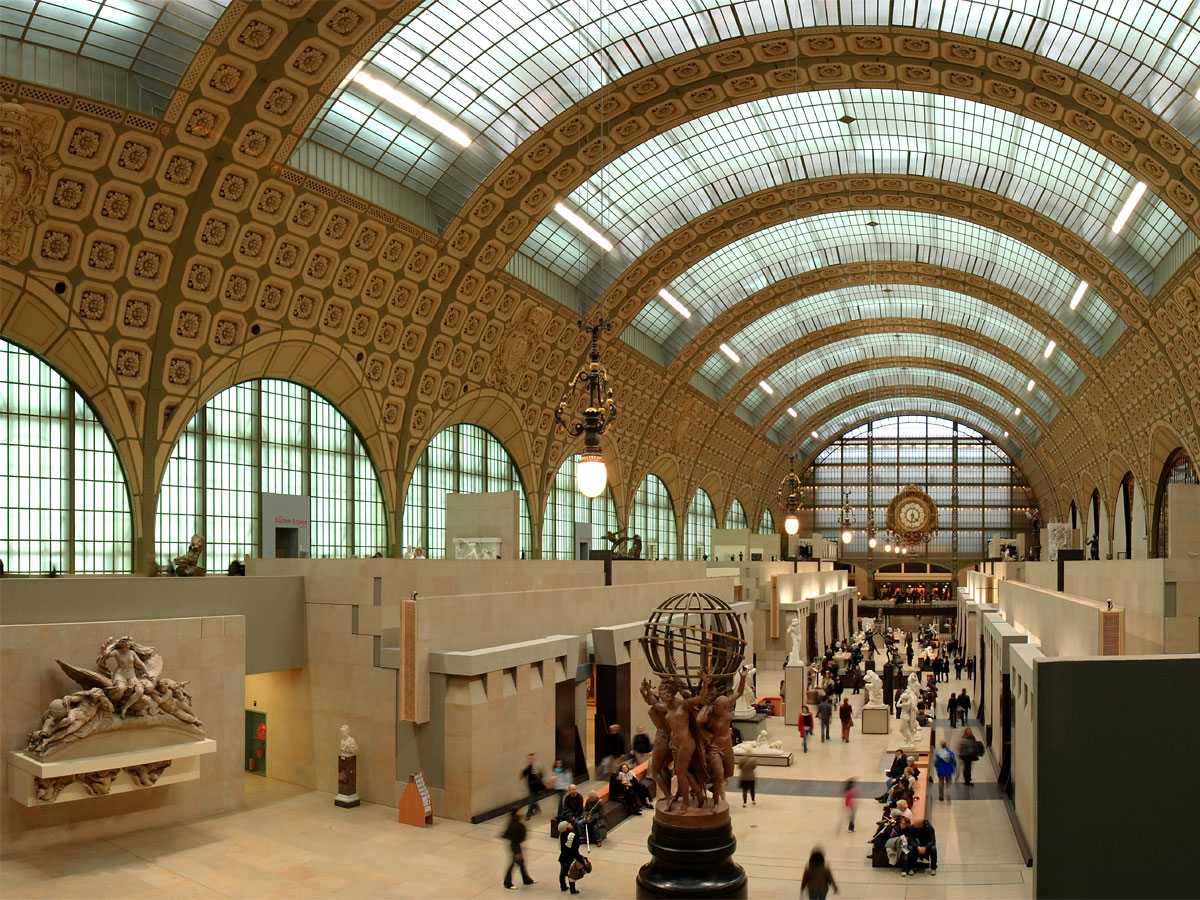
(1017, 411)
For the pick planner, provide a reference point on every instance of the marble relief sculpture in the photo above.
(125, 692)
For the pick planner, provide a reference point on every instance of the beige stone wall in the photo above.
(1063, 624)
(1161, 598)
(495, 514)
(1023, 670)
(207, 652)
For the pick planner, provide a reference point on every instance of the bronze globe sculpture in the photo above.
(693, 633)
(695, 644)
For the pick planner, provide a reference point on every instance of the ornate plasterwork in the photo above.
(26, 161)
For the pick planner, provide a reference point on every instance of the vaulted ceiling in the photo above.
(812, 214)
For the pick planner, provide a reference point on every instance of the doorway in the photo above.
(256, 742)
(287, 543)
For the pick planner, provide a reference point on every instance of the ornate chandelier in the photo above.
(591, 475)
(789, 494)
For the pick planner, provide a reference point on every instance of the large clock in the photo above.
(912, 515)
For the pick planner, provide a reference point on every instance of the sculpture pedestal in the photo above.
(793, 680)
(347, 795)
(876, 720)
(692, 855)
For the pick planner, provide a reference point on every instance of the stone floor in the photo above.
(292, 842)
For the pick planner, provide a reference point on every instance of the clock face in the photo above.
(912, 515)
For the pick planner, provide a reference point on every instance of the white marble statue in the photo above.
(874, 685)
(472, 550)
(763, 746)
(795, 658)
(910, 729)
(348, 746)
(743, 702)
(914, 684)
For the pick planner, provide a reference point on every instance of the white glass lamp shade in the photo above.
(791, 524)
(887, 548)
(847, 536)
(905, 551)
(872, 543)
(591, 475)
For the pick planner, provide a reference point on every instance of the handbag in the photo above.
(579, 868)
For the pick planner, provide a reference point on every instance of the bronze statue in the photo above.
(188, 565)
(716, 716)
(619, 538)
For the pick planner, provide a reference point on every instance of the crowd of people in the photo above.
(905, 845)
(905, 594)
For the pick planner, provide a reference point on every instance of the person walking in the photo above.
(532, 774)
(958, 667)
(568, 852)
(945, 764)
(805, 723)
(952, 708)
(825, 713)
(970, 667)
(746, 766)
(515, 835)
(964, 705)
(846, 714)
(850, 791)
(969, 750)
(817, 878)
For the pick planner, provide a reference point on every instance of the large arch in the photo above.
(68, 501)
(269, 436)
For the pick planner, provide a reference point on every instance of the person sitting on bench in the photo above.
(625, 787)
(922, 846)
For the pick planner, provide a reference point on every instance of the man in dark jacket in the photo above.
(922, 845)
(641, 744)
(825, 713)
(532, 774)
(572, 804)
(614, 750)
(568, 852)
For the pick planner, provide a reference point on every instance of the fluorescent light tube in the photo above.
(583, 226)
(728, 351)
(766, 387)
(1049, 349)
(406, 103)
(816, 436)
(1029, 387)
(1079, 292)
(791, 412)
(1127, 210)
(1017, 411)
(675, 304)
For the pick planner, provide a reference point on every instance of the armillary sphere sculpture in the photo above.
(695, 644)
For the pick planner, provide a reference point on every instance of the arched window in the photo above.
(736, 517)
(461, 459)
(697, 527)
(766, 525)
(65, 500)
(1179, 469)
(1124, 538)
(653, 517)
(1074, 516)
(948, 459)
(268, 437)
(565, 506)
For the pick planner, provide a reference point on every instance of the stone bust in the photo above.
(349, 746)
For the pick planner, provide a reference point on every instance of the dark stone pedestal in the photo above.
(692, 855)
(347, 795)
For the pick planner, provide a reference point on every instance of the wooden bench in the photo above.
(614, 811)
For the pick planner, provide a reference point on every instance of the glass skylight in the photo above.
(729, 275)
(503, 68)
(154, 42)
(778, 328)
(886, 348)
(914, 380)
(659, 186)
